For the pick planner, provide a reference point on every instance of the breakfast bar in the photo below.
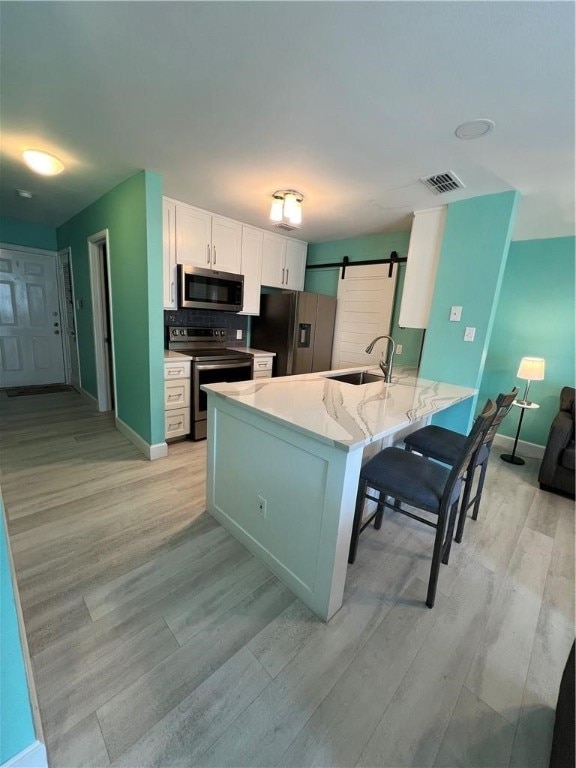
(284, 458)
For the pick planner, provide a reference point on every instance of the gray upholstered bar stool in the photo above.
(406, 478)
(445, 445)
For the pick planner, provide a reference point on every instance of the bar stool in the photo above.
(445, 445)
(421, 483)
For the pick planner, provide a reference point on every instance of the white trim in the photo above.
(27, 249)
(34, 756)
(524, 448)
(93, 400)
(103, 382)
(152, 452)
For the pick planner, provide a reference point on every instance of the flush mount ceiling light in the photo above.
(42, 162)
(474, 129)
(286, 210)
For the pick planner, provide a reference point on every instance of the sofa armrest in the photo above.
(561, 433)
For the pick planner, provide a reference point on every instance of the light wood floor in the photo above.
(157, 640)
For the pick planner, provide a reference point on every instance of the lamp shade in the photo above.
(531, 368)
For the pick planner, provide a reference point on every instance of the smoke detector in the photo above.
(442, 182)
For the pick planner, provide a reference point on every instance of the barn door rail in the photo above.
(346, 263)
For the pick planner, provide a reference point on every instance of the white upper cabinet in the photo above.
(283, 262)
(204, 240)
(295, 264)
(421, 266)
(251, 268)
(169, 253)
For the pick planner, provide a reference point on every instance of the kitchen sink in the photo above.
(359, 377)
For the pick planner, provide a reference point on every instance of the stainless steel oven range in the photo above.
(212, 362)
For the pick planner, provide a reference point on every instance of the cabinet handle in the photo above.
(287, 273)
(283, 270)
(207, 254)
(214, 249)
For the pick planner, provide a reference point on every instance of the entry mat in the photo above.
(46, 389)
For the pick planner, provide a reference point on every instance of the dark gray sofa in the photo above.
(557, 468)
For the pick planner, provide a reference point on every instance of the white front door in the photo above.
(30, 326)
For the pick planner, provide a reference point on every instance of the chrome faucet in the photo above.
(385, 364)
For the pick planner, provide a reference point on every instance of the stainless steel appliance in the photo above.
(200, 288)
(299, 327)
(212, 362)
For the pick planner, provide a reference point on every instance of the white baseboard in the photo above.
(152, 452)
(524, 448)
(34, 756)
(93, 401)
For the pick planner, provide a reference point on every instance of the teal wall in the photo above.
(535, 317)
(472, 260)
(25, 233)
(16, 723)
(132, 214)
(359, 249)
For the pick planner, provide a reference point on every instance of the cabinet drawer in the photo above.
(177, 394)
(262, 364)
(177, 422)
(180, 370)
(262, 374)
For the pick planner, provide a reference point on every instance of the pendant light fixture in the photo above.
(286, 210)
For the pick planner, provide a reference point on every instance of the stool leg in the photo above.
(436, 556)
(357, 520)
(465, 502)
(479, 490)
(379, 512)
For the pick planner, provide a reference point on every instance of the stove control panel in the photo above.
(197, 334)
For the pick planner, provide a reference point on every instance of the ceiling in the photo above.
(348, 102)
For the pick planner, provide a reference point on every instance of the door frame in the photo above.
(105, 385)
(62, 291)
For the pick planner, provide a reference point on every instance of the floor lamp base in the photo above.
(511, 459)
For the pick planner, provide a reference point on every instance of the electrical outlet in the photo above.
(239, 333)
(262, 506)
(469, 334)
(398, 349)
(455, 314)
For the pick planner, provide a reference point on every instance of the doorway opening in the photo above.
(99, 255)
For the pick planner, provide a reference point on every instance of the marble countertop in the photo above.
(255, 352)
(341, 414)
(169, 354)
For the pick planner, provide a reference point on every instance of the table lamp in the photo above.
(531, 369)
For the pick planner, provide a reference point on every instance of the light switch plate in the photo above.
(398, 349)
(239, 333)
(455, 314)
(469, 334)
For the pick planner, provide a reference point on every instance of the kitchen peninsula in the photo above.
(284, 458)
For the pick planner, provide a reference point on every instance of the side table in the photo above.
(511, 458)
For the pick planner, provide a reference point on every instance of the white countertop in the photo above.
(255, 352)
(169, 354)
(341, 414)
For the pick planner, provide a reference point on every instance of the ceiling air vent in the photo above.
(443, 182)
(285, 226)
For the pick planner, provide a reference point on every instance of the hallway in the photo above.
(158, 640)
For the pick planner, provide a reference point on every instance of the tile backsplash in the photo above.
(206, 318)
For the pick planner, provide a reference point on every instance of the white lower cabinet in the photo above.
(177, 398)
(262, 366)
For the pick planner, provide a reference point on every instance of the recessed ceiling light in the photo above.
(42, 162)
(24, 193)
(473, 129)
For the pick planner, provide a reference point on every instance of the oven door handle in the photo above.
(223, 365)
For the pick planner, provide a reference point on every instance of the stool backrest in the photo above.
(473, 442)
(503, 405)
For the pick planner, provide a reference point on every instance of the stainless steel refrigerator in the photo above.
(299, 327)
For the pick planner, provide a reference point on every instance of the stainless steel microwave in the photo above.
(200, 288)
